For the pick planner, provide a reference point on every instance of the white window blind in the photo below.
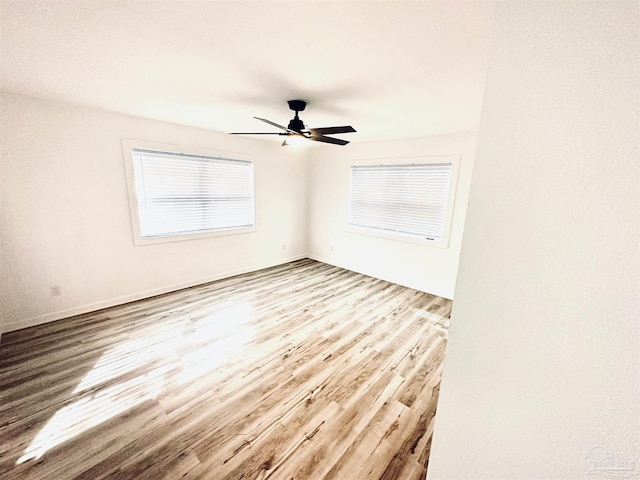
(182, 194)
(403, 199)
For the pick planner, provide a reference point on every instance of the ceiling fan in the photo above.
(296, 128)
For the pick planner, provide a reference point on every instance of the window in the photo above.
(182, 195)
(410, 201)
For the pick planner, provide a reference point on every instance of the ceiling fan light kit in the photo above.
(294, 141)
(296, 131)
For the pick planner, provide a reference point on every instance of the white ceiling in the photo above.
(393, 69)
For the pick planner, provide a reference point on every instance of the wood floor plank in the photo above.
(300, 371)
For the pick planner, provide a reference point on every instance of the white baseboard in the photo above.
(71, 312)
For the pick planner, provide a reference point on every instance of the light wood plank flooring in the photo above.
(301, 371)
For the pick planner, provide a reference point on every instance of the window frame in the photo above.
(128, 145)
(454, 160)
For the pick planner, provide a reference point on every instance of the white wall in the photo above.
(66, 219)
(543, 361)
(427, 268)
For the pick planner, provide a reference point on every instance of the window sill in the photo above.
(139, 241)
(399, 237)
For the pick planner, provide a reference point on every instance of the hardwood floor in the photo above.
(301, 371)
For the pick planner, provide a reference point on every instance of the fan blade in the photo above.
(335, 141)
(329, 130)
(274, 124)
(258, 133)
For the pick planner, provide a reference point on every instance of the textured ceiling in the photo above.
(393, 69)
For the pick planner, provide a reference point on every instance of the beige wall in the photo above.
(66, 219)
(543, 361)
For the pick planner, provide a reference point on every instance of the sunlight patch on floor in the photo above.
(103, 393)
(94, 409)
(229, 328)
(128, 356)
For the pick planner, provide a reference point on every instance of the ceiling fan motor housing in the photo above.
(297, 106)
(296, 124)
